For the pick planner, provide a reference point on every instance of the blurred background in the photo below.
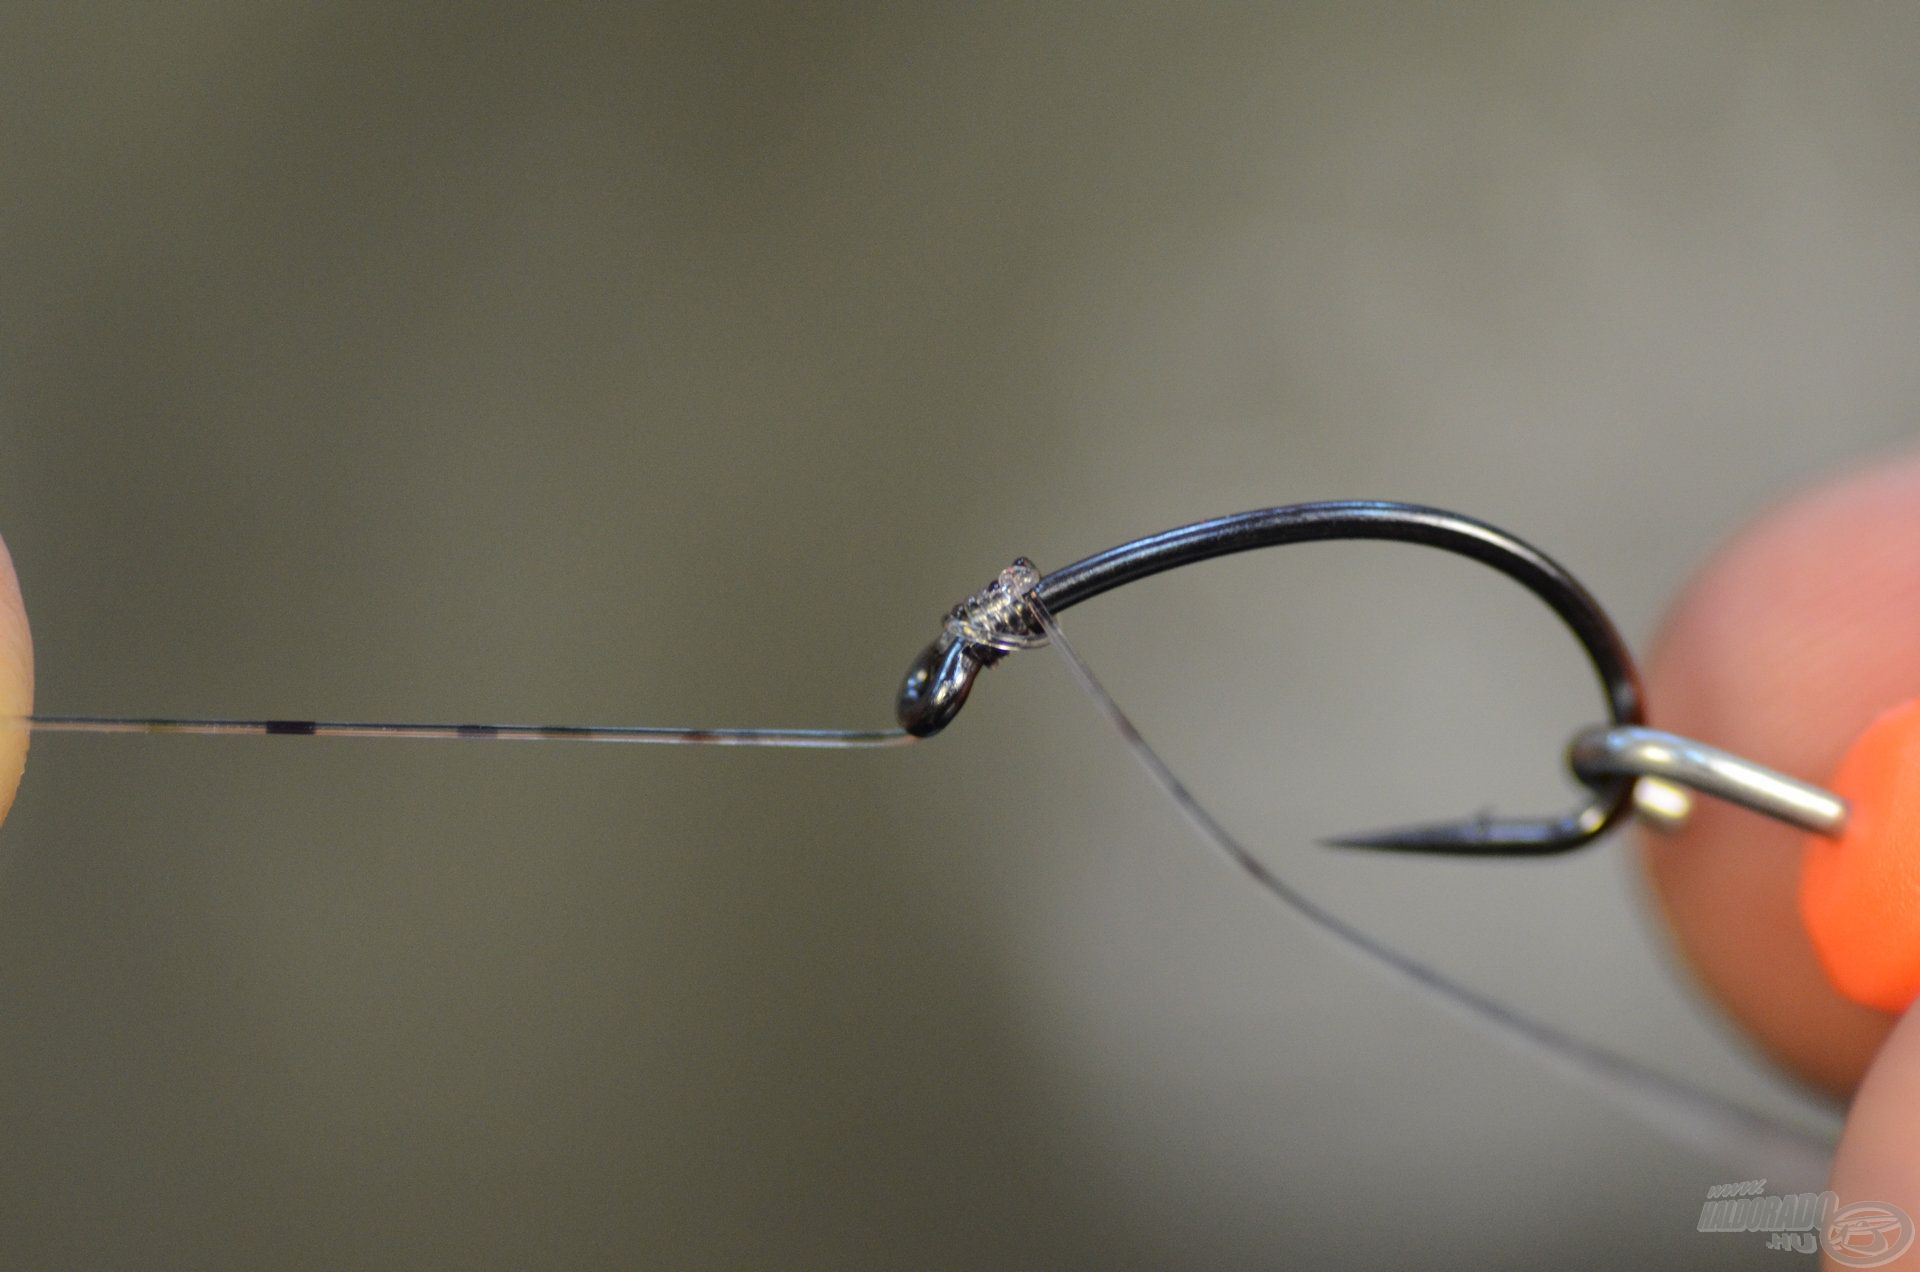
(664, 365)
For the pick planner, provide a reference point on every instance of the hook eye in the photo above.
(937, 684)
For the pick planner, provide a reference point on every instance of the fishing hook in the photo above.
(1609, 760)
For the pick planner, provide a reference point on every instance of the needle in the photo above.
(658, 736)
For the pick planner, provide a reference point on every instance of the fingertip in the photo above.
(1879, 1155)
(1791, 640)
(16, 681)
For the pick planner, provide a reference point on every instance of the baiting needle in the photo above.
(644, 734)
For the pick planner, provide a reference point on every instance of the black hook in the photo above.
(939, 680)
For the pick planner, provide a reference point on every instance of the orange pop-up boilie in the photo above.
(1860, 892)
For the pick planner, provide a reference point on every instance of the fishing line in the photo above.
(1687, 1115)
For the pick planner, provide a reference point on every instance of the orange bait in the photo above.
(1860, 891)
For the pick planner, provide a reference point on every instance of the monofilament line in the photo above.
(1700, 1120)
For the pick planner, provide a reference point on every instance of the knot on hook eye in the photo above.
(979, 631)
(999, 615)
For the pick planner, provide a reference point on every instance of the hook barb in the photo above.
(1483, 836)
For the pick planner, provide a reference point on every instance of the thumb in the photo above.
(16, 681)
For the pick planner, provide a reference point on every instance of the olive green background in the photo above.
(638, 364)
